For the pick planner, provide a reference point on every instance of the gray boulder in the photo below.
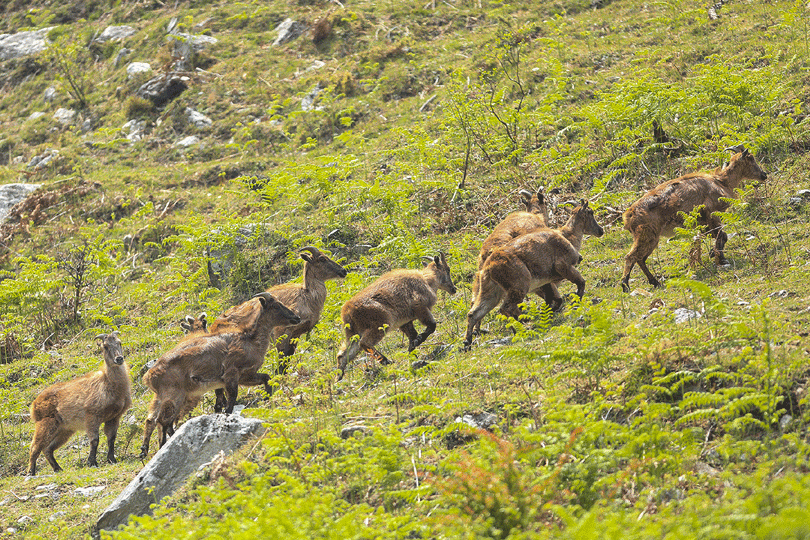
(42, 160)
(163, 88)
(198, 119)
(185, 142)
(135, 68)
(112, 33)
(186, 46)
(23, 43)
(288, 30)
(50, 94)
(64, 116)
(195, 444)
(11, 194)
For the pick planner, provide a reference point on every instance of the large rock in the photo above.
(196, 443)
(186, 46)
(112, 33)
(11, 194)
(288, 30)
(23, 43)
(162, 89)
(134, 68)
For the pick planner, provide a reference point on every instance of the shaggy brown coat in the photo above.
(529, 262)
(658, 212)
(516, 224)
(394, 300)
(85, 403)
(204, 362)
(305, 299)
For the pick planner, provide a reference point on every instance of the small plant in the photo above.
(72, 62)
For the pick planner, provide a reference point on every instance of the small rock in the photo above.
(50, 94)
(350, 429)
(134, 130)
(134, 68)
(25, 519)
(640, 292)
(683, 315)
(87, 125)
(199, 120)
(501, 342)
(482, 420)
(112, 33)
(64, 116)
(197, 42)
(781, 294)
(35, 115)
(419, 364)
(120, 56)
(316, 64)
(288, 30)
(47, 487)
(308, 101)
(804, 193)
(785, 422)
(705, 468)
(57, 515)
(41, 161)
(164, 88)
(11, 530)
(191, 140)
(88, 491)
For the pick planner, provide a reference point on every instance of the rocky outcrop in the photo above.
(195, 444)
(113, 33)
(11, 194)
(288, 30)
(162, 89)
(23, 43)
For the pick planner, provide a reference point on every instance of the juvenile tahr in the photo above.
(100, 397)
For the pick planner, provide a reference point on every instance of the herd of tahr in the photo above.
(522, 255)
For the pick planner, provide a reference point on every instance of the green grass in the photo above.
(610, 416)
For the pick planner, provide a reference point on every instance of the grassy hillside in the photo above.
(388, 131)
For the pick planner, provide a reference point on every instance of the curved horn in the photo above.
(427, 258)
(525, 193)
(266, 296)
(568, 203)
(738, 148)
(312, 249)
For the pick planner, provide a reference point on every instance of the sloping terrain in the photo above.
(188, 156)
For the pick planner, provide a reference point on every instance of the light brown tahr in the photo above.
(208, 361)
(100, 397)
(394, 300)
(305, 299)
(658, 212)
(536, 216)
(528, 262)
